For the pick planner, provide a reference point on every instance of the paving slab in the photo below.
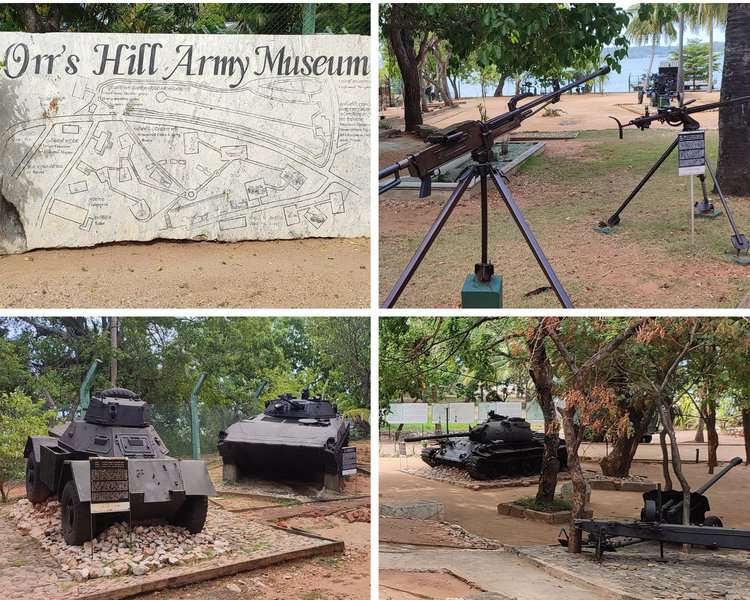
(498, 571)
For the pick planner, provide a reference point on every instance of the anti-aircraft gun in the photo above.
(115, 425)
(475, 138)
(501, 446)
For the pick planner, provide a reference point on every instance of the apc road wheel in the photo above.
(36, 491)
(75, 516)
(192, 514)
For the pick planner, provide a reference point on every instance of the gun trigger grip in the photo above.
(425, 187)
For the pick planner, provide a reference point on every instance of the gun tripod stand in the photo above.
(703, 208)
(483, 270)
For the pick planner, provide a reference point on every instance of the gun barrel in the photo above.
(436, 436)
(711, 482)
(500, 119)
(720, 104)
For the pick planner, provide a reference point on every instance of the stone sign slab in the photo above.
(108, 138)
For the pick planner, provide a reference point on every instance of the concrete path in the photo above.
(492, 570)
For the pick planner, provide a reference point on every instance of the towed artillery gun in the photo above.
(115, 425)
(661, 521)
(501, 446)
(293, 439)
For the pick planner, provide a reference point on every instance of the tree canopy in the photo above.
(248, 361)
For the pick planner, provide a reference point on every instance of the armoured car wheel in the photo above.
(192, 514)
(474, 469)
(428, 456)
(713, 522)
(36, 491)
(75, 516)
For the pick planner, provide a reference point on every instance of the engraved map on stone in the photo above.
(195, 137)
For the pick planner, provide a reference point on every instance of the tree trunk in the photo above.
(518, 85)
(713, 436)
(746, 433)
(665, 460)
(442, 75)
(734, 121)
(541, 374)
(666, 418)
(501, 85)
(710, 53)
(681, 58)
(32, 22)
(454, 85)
(699, 432)
(650, 63)
(408, 63)
(424, 100)
(576, 476)
(617, 463)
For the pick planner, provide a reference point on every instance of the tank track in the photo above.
(428, 456)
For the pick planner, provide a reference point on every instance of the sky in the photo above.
(702, 35)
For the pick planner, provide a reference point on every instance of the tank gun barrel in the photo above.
(435, 436)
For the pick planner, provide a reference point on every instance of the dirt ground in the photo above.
(648, 261)
(476, 511)
(430, 585)
(340, 577)
(310, 273)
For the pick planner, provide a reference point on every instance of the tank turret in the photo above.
(115, 424)
(293, 439)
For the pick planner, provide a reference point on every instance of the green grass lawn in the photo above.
(648, 261)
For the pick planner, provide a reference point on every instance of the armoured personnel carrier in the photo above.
(501, 446)
(115, 424)
(293, 439)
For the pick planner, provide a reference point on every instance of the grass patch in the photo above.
(328, 561)
(314, 595)
(531, 502)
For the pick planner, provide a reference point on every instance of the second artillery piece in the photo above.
(501, 446)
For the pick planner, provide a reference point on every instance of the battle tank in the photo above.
(115, 424)
(501, 446)
(293, 439)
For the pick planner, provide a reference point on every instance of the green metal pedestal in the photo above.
(475, 294)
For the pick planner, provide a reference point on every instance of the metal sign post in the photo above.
(691, 160)
(110, 487)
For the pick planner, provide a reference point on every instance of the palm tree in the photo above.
(708, 16)
(734, 121)
(658, 25)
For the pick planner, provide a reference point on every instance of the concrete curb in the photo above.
(215, 572)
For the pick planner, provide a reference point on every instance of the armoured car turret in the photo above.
(293, 439)
(115, 424)
(501, 446)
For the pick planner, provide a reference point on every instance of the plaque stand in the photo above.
(739, 242)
